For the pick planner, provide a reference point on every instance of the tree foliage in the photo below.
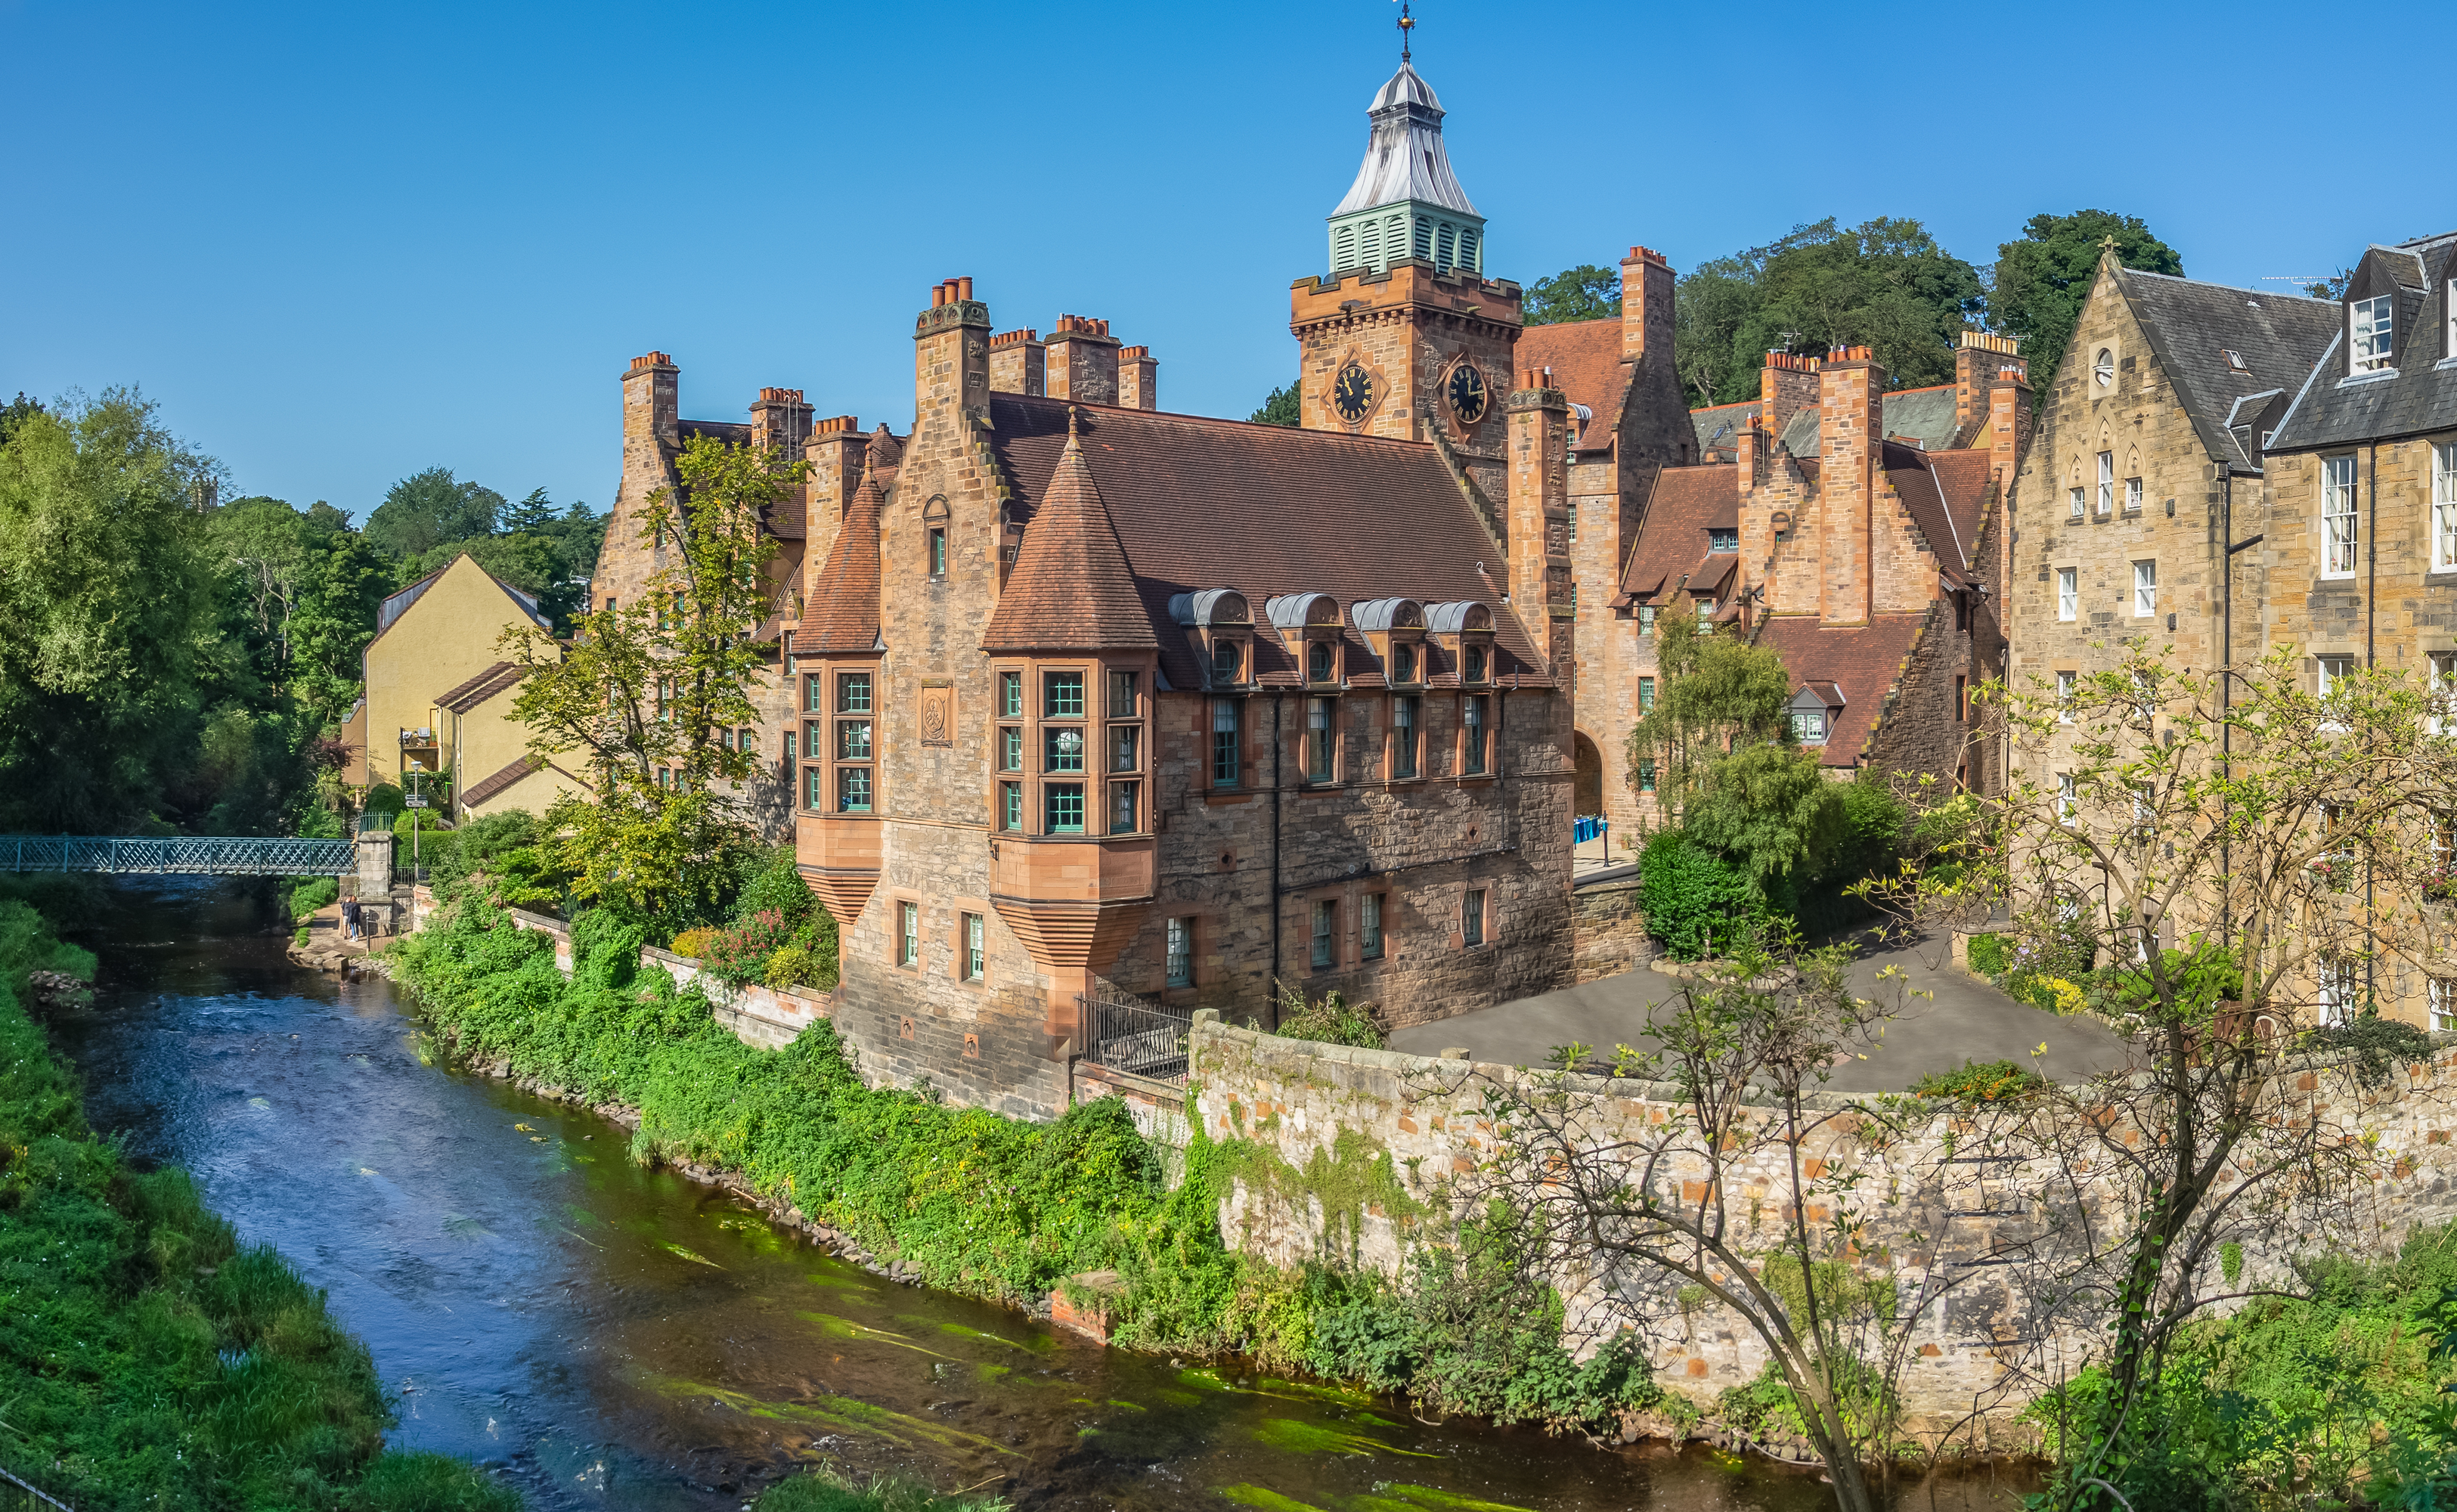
(642, 691)
(1279, 408)
(1884, 284)
(2043, 276)
(1719, 693)
(1583, 292)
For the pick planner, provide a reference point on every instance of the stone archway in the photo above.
(1588, 788)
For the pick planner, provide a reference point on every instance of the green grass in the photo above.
(825, 1491)
(147, 1359)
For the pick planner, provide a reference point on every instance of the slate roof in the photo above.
(1862, 661)
(1587, 366)
(2188, 323)
(842, 613)
(468, 695)
(1946, 493)
(1071, 588)
(1264, 510)
(1718, 426)
(2331, 409)
(1925, 415)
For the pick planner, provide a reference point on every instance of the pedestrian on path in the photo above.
(350, 918)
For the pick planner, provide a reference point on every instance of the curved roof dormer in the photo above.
(1388, 614)
(1210, 606)
(1449, 620)
(1298, 611)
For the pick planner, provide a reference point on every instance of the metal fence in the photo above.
(1141, 1039)
(22, 1495)
(177, 854)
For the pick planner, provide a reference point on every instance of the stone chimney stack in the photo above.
(1138, 379)
(1082, 360)
(1538, 518)
(1979, 359)
(951, 372)
(1019, 363)
(835, 451)
(780, 419)
(653, 402)
(1850, 388)
(1787, 385)
(1646, 303)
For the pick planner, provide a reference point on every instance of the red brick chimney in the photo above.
(1082, 360)
(1978, 360)
(1019, 363)
(1646, 303)
(1787, 385)
(1138, 379)
(1850, 388)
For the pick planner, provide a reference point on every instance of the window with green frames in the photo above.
(816, 789)
(1010, 748)
(853, 692)
(1010, 696)
(1062, 749)
(852, 739)
(1010, 805)
(812, 698)
(1064, 805)
(852, 790)
(1062, 696)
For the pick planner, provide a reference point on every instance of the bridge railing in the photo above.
(177, 854)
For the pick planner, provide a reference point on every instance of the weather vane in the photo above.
(1407, 24)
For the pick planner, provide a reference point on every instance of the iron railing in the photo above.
(179, 855)
(1128, 1034)
(23, 1496)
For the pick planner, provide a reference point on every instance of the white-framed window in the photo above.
(2102, 367)
(1808, 726)
(2106, 483)
(2340, 537)
(908, 934)
(2369, 331)
(2340, 995)
(2145, 589)
(2068, 590)
(2133, 496)
(2068, 796)
(2442, 690)
(2074, 496)
(2065, 682)
(2331, 671)
(976, 956)
(2444, 1005)
(2443, 506)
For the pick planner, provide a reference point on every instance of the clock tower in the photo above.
(1405, 336)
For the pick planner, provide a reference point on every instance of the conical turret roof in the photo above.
(1071, 587)
(843, 611)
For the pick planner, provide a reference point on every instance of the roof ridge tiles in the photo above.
(2207, 283)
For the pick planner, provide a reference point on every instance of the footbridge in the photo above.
(182, 854)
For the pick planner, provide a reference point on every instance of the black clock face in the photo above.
(1467, 393)
(1352, 393)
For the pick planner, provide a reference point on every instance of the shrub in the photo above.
(740, 955)
(1331, 1019)
(2377, 1045)
(1988, 955)
(383, 798)
(693, 943)
(1979, 1081)
(1696, 902)
(789, 967)
(502, 852)
(311, 895)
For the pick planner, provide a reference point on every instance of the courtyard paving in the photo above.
(1949, 1018)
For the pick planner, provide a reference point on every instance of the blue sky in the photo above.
(341, 243)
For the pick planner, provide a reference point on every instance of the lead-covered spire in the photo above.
(1406, 201)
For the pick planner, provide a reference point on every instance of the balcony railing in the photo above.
(1126, 1034)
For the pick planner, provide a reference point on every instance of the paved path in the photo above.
(1949, 1017)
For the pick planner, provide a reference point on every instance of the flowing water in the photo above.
(619, 1337)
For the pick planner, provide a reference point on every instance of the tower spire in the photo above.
(1407, 24)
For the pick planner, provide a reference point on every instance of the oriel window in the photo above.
(1010, 696)
(1126, 804)
(1011, 806)
(1062, 748)
(1063, 807)
(1122, 695)
(1062, 696)
(853, 692)
(852, 790)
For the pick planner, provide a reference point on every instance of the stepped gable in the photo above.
(1266, 510)
(1922, 487)
(842, 613)
(2190, 323)
(1071, 588)
(1687, 501)
(1866, 662)
(1585, 357)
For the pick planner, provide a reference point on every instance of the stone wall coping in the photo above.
(546, 922)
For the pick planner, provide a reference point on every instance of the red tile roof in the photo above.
(1071, 588)
(1687, 501)
(1587, 363)
(842, 614)
(1267, 511)
(1864, 661)
(468, 695)
(482, 791)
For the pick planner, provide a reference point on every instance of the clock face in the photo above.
(1352, 394)
(1467, 393)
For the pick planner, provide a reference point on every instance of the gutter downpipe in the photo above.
(1272, 991)
(2227, 695)
(2371, 622)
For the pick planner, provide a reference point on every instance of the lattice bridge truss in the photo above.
(178, 856)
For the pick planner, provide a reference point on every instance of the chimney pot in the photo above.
(964, 287)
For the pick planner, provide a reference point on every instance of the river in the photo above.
(613, 1336)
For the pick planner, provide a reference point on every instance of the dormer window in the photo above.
(1724, 540)
(1475, 665)
(1808, 726)
(2370, 325)
(1321, 662)
(1228, 659)
(1403, 663)
(1812, 711)
(1217, 625)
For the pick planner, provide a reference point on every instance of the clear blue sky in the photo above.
(341, 243)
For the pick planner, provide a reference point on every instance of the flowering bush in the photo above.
(739, 955)
(2440, 886)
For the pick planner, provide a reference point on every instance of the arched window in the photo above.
(934, 536)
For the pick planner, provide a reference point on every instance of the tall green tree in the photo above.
(106, 612)
(1583, 292)
(2043, 276)
(427, 508)
(1280, 408)
(1719, 694)
(642, 691)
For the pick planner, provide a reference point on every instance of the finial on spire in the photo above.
(1407, 24)
(1071, 433)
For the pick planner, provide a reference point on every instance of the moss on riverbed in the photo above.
(146, 1358)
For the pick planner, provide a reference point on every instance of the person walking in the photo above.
(350, 918)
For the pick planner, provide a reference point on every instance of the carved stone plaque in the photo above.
(937, 712)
